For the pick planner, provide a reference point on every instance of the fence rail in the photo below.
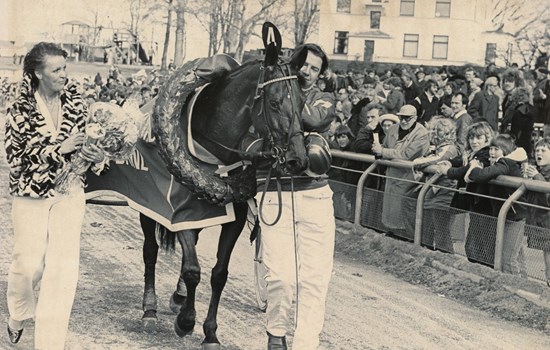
(520, 185)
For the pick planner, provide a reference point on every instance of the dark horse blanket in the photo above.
(149, 188)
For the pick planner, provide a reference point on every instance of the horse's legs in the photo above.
(229, 235)
(177, 300)
(150, 253)
(191, 272)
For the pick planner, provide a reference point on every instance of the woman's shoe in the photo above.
(14, 335)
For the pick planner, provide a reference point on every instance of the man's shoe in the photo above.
(276, 343)
(14, 335)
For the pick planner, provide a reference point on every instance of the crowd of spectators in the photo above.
(469, 124)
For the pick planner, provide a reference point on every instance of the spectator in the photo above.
(427, 103)
(506, 159)
(421, 79)
(541, 99)
(435, 230)
(145, 94)
(343, 141)
(462, 119)
(410, 89)
(408, 140)
(445, 108)
(98, 80)
(511, 80)
(386, 121)
(343, 106)
(474, 86)
(538, 217)
(395, 99)
(365, 135)
(478, 240)
(523, 120)
(358, 116)
(485, 104)
(90, 97)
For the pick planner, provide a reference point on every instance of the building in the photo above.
(427, 32)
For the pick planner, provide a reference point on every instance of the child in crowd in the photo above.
(506, 159)
(478, 241)
(537, 217)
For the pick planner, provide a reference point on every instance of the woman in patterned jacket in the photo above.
(43, 130)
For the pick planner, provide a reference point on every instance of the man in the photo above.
(410, 89)
(395, 99)
(463, 120)
(485, 103)
(427, 103)
(511, 80)
(541, 100)
(343, 108)
(305, 231)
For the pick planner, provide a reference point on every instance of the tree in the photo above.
(306, 18)
(179, 53)
(161, 13)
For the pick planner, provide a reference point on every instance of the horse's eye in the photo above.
(274, 104)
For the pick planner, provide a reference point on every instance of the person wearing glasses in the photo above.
(485, 103)
(407, 140)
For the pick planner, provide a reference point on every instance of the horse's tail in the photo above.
(166, 238)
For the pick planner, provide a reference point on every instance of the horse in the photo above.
(263, 94)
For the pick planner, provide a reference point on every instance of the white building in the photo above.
(428, 32)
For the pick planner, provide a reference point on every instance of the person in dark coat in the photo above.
(540, 217)
(395, 99)
(410, 89)
(478, 241)
(506, 159)
(541, 99)
(510, 81)
(523, 120)
(485, 104)
(427, 103)
(343, 139)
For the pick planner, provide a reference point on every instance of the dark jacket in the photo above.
(466, 201)
(365, 139)
(542, 106)
(484, 105)
(411, 92)
(395, 101)
(523, 122)
(508, 107)
(424, 108)
(511, 166)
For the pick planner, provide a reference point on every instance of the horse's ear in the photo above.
(272, 43)
(298, 58)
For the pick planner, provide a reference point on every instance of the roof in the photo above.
(76, 23)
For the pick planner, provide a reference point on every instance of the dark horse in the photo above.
(264, 94)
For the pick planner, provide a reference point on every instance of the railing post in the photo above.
(501, 223)
(359, 196)
(420, 208)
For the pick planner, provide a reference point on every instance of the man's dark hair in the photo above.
(429, 84)
(316, 50)
(463, 97)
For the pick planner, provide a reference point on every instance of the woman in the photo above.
(44, 129)
(523, 120)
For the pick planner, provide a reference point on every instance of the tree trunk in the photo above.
(163, 65)
(180, 34)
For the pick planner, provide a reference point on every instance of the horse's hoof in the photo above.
(211, 346)
(149, 321)
(183, 331)
(176, 302)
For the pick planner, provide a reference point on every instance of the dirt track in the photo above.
(367, 307)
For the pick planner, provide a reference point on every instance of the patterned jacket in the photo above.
(32, 150)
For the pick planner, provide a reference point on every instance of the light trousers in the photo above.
(513, 254)
(315, 231)
(46, 234)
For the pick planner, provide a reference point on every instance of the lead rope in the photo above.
(295, 234)
(279, 199)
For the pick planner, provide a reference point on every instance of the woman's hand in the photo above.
(376, 148)
(92, 153)
(72, 143)
(443, 167)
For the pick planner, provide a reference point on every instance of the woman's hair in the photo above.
(446, 125)
(522, 95)
(344, 130)
(395, 81)
(544, 142)
(513, 75)
(480, 129)
(35, 58)
(505, 142)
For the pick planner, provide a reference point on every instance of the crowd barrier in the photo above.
(362, 205)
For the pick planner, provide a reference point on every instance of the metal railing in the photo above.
(520, 185)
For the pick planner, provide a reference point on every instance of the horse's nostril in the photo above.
(295, 167)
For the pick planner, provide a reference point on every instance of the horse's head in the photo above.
(279, 95)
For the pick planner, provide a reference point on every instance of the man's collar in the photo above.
(459, 114)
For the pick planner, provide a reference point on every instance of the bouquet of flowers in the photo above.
(109, 127)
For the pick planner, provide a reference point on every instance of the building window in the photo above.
(490, 53)
(407, 8)
(441, 46)
(341, 43)
(443, 8)
(410, 45)
(343, 5)
(375, 19)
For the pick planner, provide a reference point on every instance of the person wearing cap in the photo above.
(305, 231)
(485, 103)
(407, 140)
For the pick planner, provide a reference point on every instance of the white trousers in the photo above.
(315, 230)
(46, 250)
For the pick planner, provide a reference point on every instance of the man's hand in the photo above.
(377, 148)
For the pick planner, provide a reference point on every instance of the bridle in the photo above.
(276, 151)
